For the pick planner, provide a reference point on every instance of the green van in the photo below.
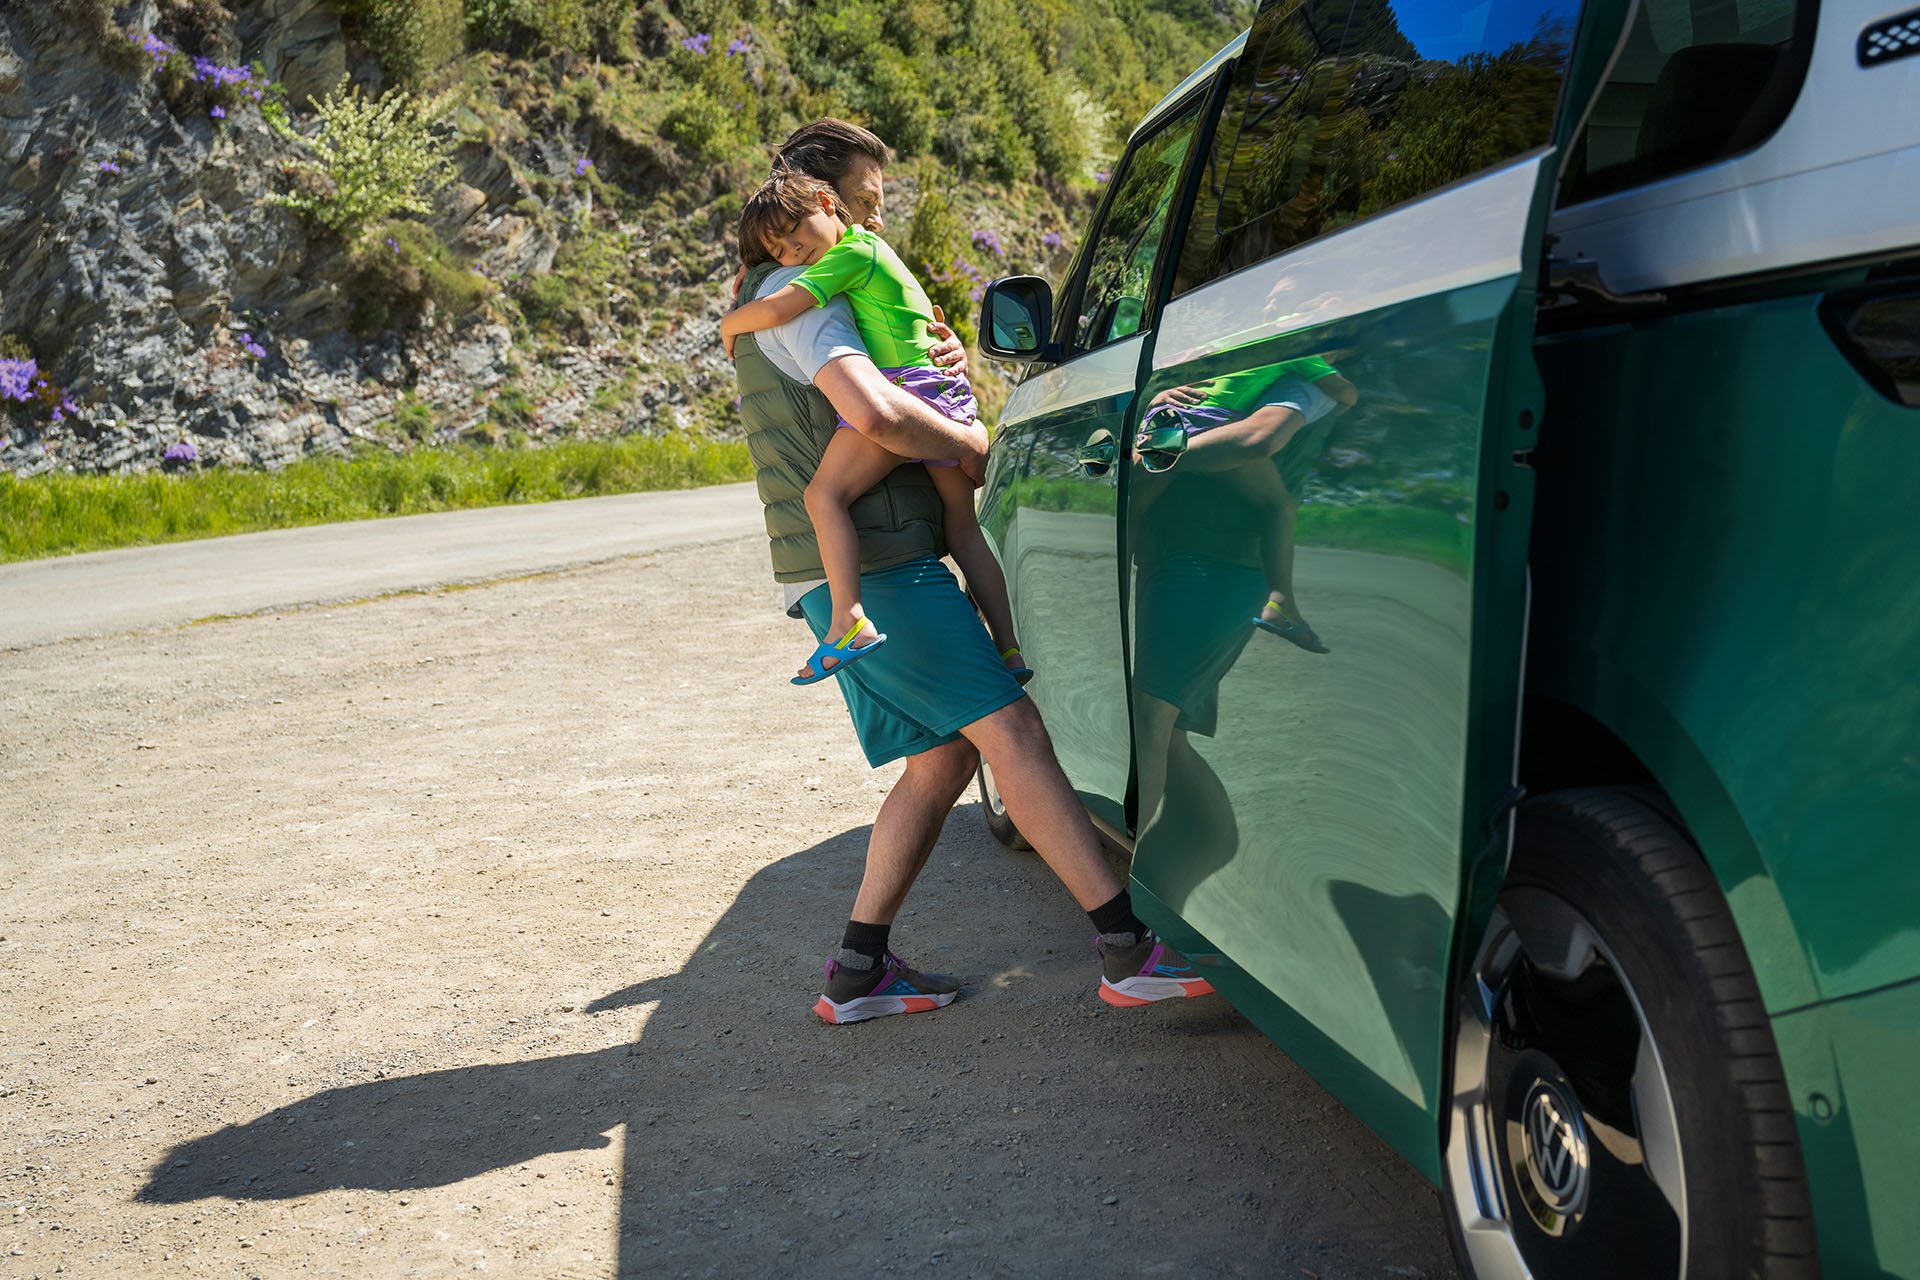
(1461, 506)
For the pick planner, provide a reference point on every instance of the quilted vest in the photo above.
(788, 425)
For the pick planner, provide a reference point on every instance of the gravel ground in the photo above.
(476, 930)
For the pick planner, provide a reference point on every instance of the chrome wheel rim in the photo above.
(991, 793)
(1563, 1153)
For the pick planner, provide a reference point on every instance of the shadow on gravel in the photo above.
(445, 1126)
(1022, 1131)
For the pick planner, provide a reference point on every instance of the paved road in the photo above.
(104, 592)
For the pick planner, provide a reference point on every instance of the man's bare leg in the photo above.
(1138, 968)
(862, 982)
(908, 826)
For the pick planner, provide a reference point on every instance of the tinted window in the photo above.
(1340, 109)
(1697, 81)
(1120, 260)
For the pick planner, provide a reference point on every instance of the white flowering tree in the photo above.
(373, 157)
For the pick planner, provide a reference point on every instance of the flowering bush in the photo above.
(22, 383)
(376, 158)
(990, 241)
(191, 83)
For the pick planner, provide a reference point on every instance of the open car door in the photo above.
(1326, 516)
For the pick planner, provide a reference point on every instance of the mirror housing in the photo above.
(1016, 319)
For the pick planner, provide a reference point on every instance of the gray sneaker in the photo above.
(854, 995)
(1149, 970)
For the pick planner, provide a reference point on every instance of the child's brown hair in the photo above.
(776, 209)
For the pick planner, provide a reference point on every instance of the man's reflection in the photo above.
(1213, 537)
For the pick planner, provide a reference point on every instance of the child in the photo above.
(1312, 389)
(799, 221)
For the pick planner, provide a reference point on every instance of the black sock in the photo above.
(868, 940)
(1115, 919)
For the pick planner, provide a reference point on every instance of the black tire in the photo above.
(1667, 955)
(998, 823)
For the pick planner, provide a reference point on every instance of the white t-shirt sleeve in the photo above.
(1297, 393)
(803, 346)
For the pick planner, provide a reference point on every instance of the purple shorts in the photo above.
(1191, 418)
(948, 393)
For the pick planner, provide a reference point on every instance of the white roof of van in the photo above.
(1206, 69)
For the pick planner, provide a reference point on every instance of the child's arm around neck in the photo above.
(765, 313)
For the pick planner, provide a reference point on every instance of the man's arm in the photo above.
(895, 419)
(1260, 434)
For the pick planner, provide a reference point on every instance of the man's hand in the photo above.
(739, 278)
(974, 468)
(949, 353)
(1181, 396)
(726, 340)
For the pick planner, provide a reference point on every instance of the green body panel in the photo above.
(1310, 815)
(1053, 527)
(1850, 1066)
(1727, 576)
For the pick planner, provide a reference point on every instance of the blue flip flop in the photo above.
(843, 656)
(1295, 632)
(1021, 673)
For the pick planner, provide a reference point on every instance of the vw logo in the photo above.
(1556, 1147)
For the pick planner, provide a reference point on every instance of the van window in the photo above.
(1696, 81)
(1121, 256)
(1341, 109)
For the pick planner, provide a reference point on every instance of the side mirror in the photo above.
(1016, 316)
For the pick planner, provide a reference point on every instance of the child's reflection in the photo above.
(1233, 425)
(1211, 537)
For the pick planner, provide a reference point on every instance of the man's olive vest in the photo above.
(788, 425)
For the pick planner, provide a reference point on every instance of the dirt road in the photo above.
(477, 931)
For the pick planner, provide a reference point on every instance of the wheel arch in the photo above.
(1627, 740)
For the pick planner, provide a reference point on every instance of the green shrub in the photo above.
(414, 38)
(413, 419)
(394, 275)
(375, 158)
(936, 249)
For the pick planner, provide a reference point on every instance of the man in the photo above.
(938, 696)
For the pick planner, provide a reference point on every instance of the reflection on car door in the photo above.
(1327, 584)
(1058, 453)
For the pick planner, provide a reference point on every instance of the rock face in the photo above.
(133, 288)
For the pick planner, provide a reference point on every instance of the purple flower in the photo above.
(181, 451)
(16, 379)
(218, 113)
(740, 44)
(65, 409)
(1053, 240)
(697, 44)
(988, 240)
(581, 166)
(392, 244)
(109, 166)
(1101, 176)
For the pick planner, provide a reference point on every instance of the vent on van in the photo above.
(1890, 39)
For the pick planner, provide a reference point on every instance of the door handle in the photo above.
(1097, 455)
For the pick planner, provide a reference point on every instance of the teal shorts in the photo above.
(938, 671)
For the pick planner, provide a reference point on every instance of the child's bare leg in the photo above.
(970, 551)
(1259, 484)
(851, 465)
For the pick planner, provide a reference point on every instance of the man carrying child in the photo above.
(940, 696)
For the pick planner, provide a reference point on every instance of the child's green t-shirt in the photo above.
(889, 306)
(1246, 391)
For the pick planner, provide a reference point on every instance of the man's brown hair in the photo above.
(776, 209)
(825, 149)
